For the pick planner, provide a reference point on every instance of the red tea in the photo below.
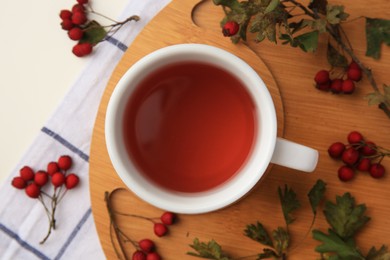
(189, 126)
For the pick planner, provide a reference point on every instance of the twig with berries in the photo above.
(358, 155)
(88, 33)
(34, 184)
(144, 248)
(284, 19)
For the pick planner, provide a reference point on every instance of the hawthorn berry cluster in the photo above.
(337, 85)
(35, 185)
(230, 28)
(358, 155)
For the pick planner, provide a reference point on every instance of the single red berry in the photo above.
(336, 150)
(377, 170)
(67, 24)
(354, 65)
(76, 33)
(168, 218)
(82, 49)
(71, 181)
(41, 178)
(354, 74)
(335, 86)
(33, 190)
(82, 2)
(322, 77)
(153, 256)
(364, 165)
(324, 86)
(146, 245)
(230, 28)
(65, 14)
(160, 229)
(350, 156)
(79, 18)
(18, 182)
(138, 255)
(26, 173)
(355, 137)
(64, 162)
(368, 149)
(52, 167)
(348, 87)
(345, 173)
(78, 8)
(58, 179)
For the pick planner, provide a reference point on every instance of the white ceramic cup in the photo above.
(268, 148)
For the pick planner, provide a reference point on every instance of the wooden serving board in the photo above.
(305, 115)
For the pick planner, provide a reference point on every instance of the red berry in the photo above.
(230, 28)
(324, 86)
(71, 181)
(41, 178)
(368, 149)
(75, 33)
(67, 24)
(336, 150)
(354, 74)
(82, 2)
(153, 256)
(322, 77)
(160, 229)
(65, 14)
(26, 173)
(33, 190)
(19, 182)
(79, 18)
(377, 170)
(168, 218)
(364, 165)
(78, 8)
(146, 245)
(138, 255)
(65, 162)
(350, 156)
(82, 49)
(58, 179)
(353, 65)
(52, 167)
(355, 137)
(345, 173)
(335, 85)
(348, 87)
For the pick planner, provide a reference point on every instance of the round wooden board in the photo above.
(306, 116)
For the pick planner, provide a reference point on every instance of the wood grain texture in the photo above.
(305, 115)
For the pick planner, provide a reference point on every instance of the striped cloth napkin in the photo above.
(23, 221)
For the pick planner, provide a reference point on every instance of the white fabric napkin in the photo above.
(23, 221)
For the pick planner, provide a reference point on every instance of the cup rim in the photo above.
(218, 197)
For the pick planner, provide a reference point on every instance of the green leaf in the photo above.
(332, 243)
(381, 254)
(271, 6)
(335, 58)
(93, 33)
(316, 194)
(318, 6)
(335, 14)
(282, 240)
(308, 42)
(210, 250)
(289, 202)
(375, 98)
(345, 217)
(377, 32)
(258, 233)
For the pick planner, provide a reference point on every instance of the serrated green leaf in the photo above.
(332, 243)
(344, 216)
(381, 254)
(335, 14)
(375, 98)
(282, 240)
(271, 6)
(93, 33)
(335, 58)
(258, 233)
(377, 32)
(210, 250)
(289, 202)
(316, 194)
(308, 42)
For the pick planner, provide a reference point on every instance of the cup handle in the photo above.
(294, 155)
